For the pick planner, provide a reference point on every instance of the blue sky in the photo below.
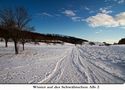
(94, 20)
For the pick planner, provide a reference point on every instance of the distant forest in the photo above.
(29, 36)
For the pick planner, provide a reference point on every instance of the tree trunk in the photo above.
(16, 47)
(23, 45)
(6, 42)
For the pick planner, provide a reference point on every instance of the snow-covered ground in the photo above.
(62, 64)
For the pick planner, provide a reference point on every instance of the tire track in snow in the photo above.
(79, 67)
(56, 73)
(85, 70)
(98, 73)
(34, 79)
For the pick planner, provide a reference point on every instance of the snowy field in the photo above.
(62, 64)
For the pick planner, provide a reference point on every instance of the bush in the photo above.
(122, 41)
(91, 43)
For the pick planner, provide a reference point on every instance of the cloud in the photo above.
(76, 18)
(106, 0)
(57, 15)
(47, 14)
(86, 8)
(44, 14)
(120, 1)
(91, 11)
(105, 11)
(117, 1)
(99, 31)
(120, 18)
(101, 20)
(69, 13)
(72, 15)
(106, 20)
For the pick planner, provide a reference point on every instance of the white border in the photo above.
(62, 86)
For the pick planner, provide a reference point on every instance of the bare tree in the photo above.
(13, 22)
(6, 23)
(15, 35)
(22, 20)
(25, 36)
(5, 35)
